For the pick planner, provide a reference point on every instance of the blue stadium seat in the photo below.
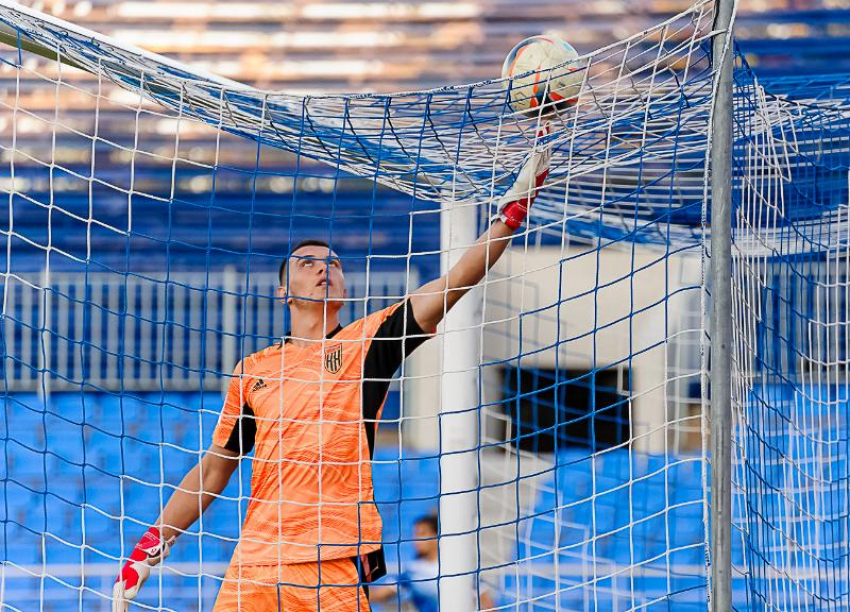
(641, 511)
(24, 461)
(26, 427)
(664, 499)
(143, 502)
(102, 527)
(57, 551)
(22, 592)
(67, 442)
(23, 409)
(23, 544)
(532, 592)
(64, 468)
(187, 435)
(27, 500)
(60, 422)
(102, 490)
(119, 413)
(71, 406)
(66, 491)
(107, 549)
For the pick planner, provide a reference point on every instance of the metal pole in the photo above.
(721, 324)
(458, 551)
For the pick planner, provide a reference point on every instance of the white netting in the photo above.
(148, 209)
(791, 319)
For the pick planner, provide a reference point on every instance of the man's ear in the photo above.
(280, 292)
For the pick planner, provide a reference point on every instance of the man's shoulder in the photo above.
(368, 324)
(255, 360)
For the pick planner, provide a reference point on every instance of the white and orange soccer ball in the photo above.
(544, 72)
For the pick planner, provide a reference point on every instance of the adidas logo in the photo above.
(258, 385)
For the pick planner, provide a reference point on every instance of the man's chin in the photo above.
(320, 299)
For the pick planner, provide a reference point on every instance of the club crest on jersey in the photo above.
(333, 358)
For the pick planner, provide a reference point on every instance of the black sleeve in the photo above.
(395, 339)
(244, 432)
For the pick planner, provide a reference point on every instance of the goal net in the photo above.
(790, 280)
(554, 424)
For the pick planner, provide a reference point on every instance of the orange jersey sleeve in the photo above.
(236, 428)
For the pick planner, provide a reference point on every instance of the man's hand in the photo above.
(150, 551)
(433, 300)
(514, 205)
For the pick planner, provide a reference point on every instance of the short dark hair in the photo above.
(431, 521)
(281, 273)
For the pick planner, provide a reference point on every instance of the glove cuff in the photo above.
(513, 214)
(151, 547)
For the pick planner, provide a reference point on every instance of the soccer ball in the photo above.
(544, 73)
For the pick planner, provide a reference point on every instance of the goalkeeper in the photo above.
(309, 408)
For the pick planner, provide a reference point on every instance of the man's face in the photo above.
(425, 539)
(313, 274)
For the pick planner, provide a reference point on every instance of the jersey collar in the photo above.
(288, 334)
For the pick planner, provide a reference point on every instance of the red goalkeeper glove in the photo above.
(150, 551)
(514, 205)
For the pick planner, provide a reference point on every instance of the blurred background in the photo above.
(142, 331)
(349, 46)
(315, 47)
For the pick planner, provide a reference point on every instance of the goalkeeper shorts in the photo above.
(293, 588)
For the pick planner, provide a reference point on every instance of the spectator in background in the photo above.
(417, 584)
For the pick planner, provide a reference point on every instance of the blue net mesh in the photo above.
(553, 427)
(150, 205)
(628, 156)
(790, 273)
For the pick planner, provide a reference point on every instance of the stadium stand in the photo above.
(74, 444)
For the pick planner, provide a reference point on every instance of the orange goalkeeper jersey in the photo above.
(311, 413)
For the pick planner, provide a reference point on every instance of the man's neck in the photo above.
(308, 327)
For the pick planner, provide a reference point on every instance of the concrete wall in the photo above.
(584, 309)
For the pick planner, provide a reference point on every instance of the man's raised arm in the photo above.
(433, 300)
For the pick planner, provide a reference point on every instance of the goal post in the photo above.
(148, 207)
(720, 364)
(460, 441)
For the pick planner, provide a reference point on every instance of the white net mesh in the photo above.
(555, 422)
(790, 281)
